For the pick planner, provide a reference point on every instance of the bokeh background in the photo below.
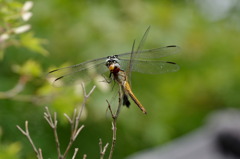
(58, 33)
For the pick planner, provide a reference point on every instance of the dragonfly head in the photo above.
(112, 62)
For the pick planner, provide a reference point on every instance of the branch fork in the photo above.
(52, 121)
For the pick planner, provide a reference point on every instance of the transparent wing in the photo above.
(134, 54)
(86, 70)
(81, 72)
(152, 53)
(152, 67)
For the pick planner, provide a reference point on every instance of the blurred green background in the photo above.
(69, 32)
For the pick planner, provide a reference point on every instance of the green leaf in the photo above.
(32, 43)
(30, 68)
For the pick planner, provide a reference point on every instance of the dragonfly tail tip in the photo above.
(144, 112)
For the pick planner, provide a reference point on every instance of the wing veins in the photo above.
(79, 70)
(157, 52)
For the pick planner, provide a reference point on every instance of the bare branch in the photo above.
(48, 118)
(53, 125)
(22, 131)
(102, 150)
(77, 132)
(40, 153)
(76, 119)
(119, 103)
(68, 118)
(19, 87)
(114, 138)
(71, 121)
(15, 92)
(27, 134)
(55, 119)
(86, 96)
(114, 123)
(75, 153)
(52, 121)
(110, 109)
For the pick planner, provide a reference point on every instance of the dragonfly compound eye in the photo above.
(107, 63)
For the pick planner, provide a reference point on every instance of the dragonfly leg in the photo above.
(107, 80)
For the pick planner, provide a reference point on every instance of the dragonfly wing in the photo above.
(153, 53)
(134, 53)
(152, 67)
(84, 72)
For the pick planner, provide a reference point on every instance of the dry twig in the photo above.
(114, 124)
(19, 87)
(84, 156)
(53, 124)
(75, 153)
(102, 149)
(27, 134)
(74, 122)
(15, 93)
(52, 121)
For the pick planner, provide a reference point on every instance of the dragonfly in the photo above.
(120, 67)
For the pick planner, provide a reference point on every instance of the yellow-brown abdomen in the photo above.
(133, 97)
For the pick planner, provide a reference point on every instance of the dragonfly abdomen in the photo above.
(133, 97)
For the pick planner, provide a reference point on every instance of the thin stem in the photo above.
(52, 121)
(19, 87)
(72, 139)
(40, 153)
(76, 119)
(53, 124)
(86, 96)
(27, 134)
(114, 124)
(75, 153)
(102, 149)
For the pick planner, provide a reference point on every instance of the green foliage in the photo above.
(76, 31)
(30, 68)
(13, 22)
(9, 151)
(32, 43)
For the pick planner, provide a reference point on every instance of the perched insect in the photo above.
(121, 66)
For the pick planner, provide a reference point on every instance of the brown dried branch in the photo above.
(75, 153)
(53, 124)
(75, 129)
(15, 93)
(52, 121)
(102, 149)
(74, 122)
(84, 156)
(40, 153)
(27, 134)
(114, 124)
(19, 87)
